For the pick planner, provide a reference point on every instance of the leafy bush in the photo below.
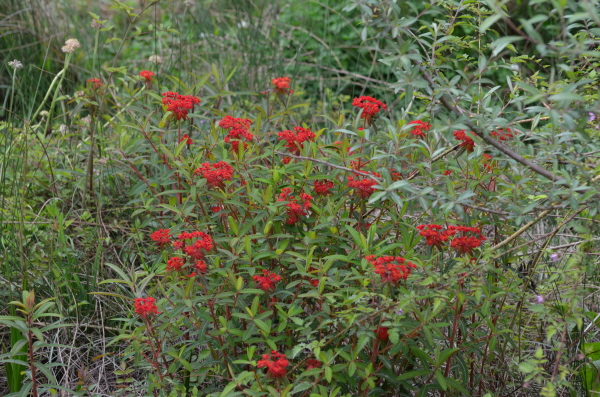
(435, 241)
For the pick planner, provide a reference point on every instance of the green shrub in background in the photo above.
(233, 221)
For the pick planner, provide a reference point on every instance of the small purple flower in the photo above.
(555, 257)
(539, 299)
(592, 116)
(399, 312)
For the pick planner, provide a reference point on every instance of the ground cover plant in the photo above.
(398, 200)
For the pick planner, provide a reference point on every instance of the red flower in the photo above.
(364, 186)
(196, 250)
(238, 131)
(215, 174)
(201, 267)
(147, 75)
(175, 264)
(296, 206)
(312, 363)
(282, 85)
(503, 134)
(313, 281)
(295, 139)
(434, 234)
(487, 158)
(162, 237)
(420, 128)
(276, 363)
(187, 139)
(396, 176)
(369, 105)
(382, 333)
(267, 281)
(465, 243)
(94, 83)
(179, 105)
(286, 160)
(145, 306)
(391, 268)
(323, 187)
(467, 142)
(448, 172)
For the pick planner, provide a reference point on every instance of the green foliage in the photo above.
(292, 290)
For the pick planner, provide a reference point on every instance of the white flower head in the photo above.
(155, 59)
(16, 65)
(188, 3)
(71, 45)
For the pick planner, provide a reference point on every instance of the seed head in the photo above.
(16, 65)
(71, 45)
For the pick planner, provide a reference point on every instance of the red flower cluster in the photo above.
(161, 237)
(94, 83)
(286, 160)
(312, 363)
(467, 142)
(382, 333)
(198, 248)
(238, 131)
(145, 306)
(448, 172)
(296, 138)
(187, 139)
(180, 105)
(369, 105)
(314, 281)
(503, 134)
(175, 264)
(275, 363)
(420, 128)
(296, 206)
(391, 268)
(436, 236)
(487, 162)
(215, 174)
(364, 186)
(323, 187)
(147, 75)
(396, 176)
(267, 281)
(201, 267)
(466, 244)
(282, 85)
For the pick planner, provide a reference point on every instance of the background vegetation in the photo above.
(87, 175)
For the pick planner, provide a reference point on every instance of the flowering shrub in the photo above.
(361, 253)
